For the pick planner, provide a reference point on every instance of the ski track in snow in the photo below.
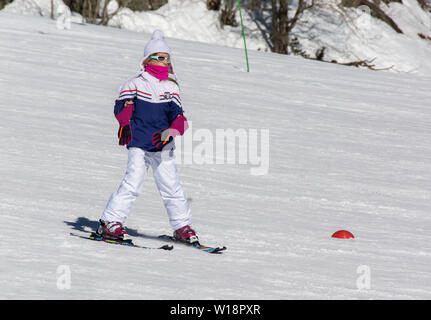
(349, 149)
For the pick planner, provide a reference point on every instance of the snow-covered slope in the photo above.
(181, 19)
(351, 35)
(347, 34)
(348, 149)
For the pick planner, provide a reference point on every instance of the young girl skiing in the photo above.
(150, 115)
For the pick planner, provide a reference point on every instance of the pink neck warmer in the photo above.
(160, 72)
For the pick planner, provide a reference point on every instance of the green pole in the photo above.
(243, 35)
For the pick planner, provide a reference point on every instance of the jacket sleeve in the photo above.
(126, 92)
(175, 106)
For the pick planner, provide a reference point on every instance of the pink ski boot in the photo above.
(112, 230)
(186, 234)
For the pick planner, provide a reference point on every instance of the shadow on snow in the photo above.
(83, 224)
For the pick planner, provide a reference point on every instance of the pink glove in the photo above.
(125, 131)
(178, 127)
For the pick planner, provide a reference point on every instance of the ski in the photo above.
(196, 245)
(126, 242)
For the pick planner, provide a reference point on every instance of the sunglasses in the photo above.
(160, 58)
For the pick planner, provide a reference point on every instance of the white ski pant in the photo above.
(165, 175)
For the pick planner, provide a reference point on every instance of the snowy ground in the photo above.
(352, 35)
(348, 149)
(347, 34)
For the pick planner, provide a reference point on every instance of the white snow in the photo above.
(348, 149)
(64, 18)
(351, 34)
(190, 20)
(348, 34)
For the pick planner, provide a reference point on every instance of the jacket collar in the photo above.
(149, 77)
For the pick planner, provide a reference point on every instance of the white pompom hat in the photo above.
(156, 44)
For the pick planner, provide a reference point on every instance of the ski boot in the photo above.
(113, 230)
(186, 235)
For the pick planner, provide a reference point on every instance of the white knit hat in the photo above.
(156, 44)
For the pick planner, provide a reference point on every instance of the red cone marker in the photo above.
(343, 234)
